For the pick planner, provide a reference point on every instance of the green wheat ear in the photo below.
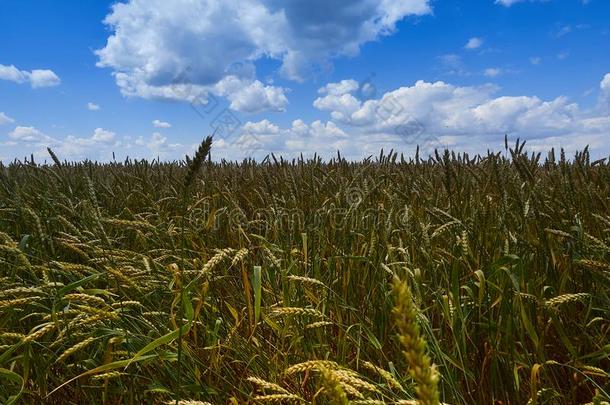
(195, 164)
(54, 157)
(420, 365)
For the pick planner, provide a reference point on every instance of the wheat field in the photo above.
(452, 279)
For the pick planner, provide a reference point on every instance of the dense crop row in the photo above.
(306, 281)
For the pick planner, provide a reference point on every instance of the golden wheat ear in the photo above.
(195, 164)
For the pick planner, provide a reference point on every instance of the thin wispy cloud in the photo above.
(5, 119)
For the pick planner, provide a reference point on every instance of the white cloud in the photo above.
(339, 98)
(535, 60)
(29, 135)
(563, 55)
(93, 107)
(32, 140)
(184, 49)
(438, 114)
(474, 43)
(37, 77)
(5, 119)
(604, 87)
(263, 137)
(337, 89)
(251, 97)
(101, 135)
(43, 78)
(444, 109)
(159, 145)
(97, 146)
(563, 30)
(492, 72)
(508, 3)
(12, 74)
(161, 124)
(432, 115)
(264, 127)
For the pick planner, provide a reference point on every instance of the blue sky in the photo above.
(151, 78)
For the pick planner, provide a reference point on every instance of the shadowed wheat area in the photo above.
(456, 279)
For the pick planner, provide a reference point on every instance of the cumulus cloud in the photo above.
(446, 109)
(339, 99)
(474, 43)
(37, 77)
(158, 145)
(260, 138)
(5, 119)
(101, 135)
(98, 145)
(93, 107)
(29, 135)
(186, 49)
(429, 114)
(251, 97)
(469, 118)
(161, 124)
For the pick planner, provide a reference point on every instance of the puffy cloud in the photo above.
(341, 106)
(185, 49)
(444, 109)
(337, 89)
(438, 114)
(37, 77)
(264, 127)
(251, 97)
(93, 107)
(101, 135)
(474, 43)
(339, 98)
(11, 73)
(158, 145)
(260, 138)
(161, 124)
(98, 145)
(5, 119)
(43, 78)
(29, 135)
(431, 115)
(535, 60)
